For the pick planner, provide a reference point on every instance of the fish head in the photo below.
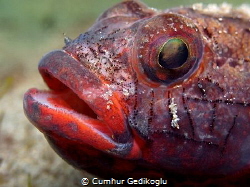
(144, 89)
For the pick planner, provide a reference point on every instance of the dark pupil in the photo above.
(173, 54)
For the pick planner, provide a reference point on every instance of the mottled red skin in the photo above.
(119, 124)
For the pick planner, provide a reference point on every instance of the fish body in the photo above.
(146, 92)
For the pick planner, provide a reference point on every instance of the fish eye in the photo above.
(167, 50)
(173, 54)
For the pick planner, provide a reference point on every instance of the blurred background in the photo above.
(28, 30)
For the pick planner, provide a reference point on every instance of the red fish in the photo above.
(150, 93)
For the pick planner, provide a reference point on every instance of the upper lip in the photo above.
(65, 75)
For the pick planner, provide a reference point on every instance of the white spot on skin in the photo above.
(125, 92)
(107, 95)
(109, 103)
(173, 111)
(220, 19)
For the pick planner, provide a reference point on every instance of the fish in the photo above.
(150, 93)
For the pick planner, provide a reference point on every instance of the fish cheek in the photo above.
(167, 50)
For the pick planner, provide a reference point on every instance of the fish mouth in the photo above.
(75, 107)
